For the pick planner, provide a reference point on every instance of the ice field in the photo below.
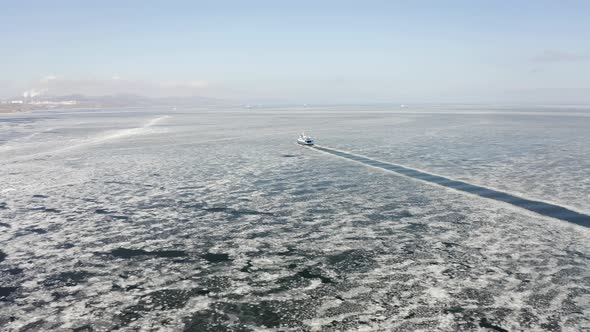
(215, 220)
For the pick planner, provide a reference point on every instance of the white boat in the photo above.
(304, 139)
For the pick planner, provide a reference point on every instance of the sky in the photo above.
(300, 51)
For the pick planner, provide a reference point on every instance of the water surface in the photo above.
(213, 219)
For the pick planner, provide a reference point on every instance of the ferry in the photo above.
(305, 140)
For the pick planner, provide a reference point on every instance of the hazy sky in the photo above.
(300, 51)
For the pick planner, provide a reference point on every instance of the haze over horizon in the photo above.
(300, 51)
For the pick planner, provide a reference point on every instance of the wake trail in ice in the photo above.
(96, 140)
(124, 132)
(543, 208)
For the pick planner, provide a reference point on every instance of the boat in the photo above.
(305, 140)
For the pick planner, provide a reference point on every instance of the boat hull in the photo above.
(304, 143)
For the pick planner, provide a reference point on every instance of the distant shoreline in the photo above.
(26, 109)
(9, 112)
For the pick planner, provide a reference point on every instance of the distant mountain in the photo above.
(118, 100)
(132, 100)
(192, 100)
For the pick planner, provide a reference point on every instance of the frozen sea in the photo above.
(213, 219)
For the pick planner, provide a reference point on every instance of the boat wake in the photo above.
(95, 140)
(546, 209)
(125, 132)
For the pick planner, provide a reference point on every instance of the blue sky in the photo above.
(300, 51)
